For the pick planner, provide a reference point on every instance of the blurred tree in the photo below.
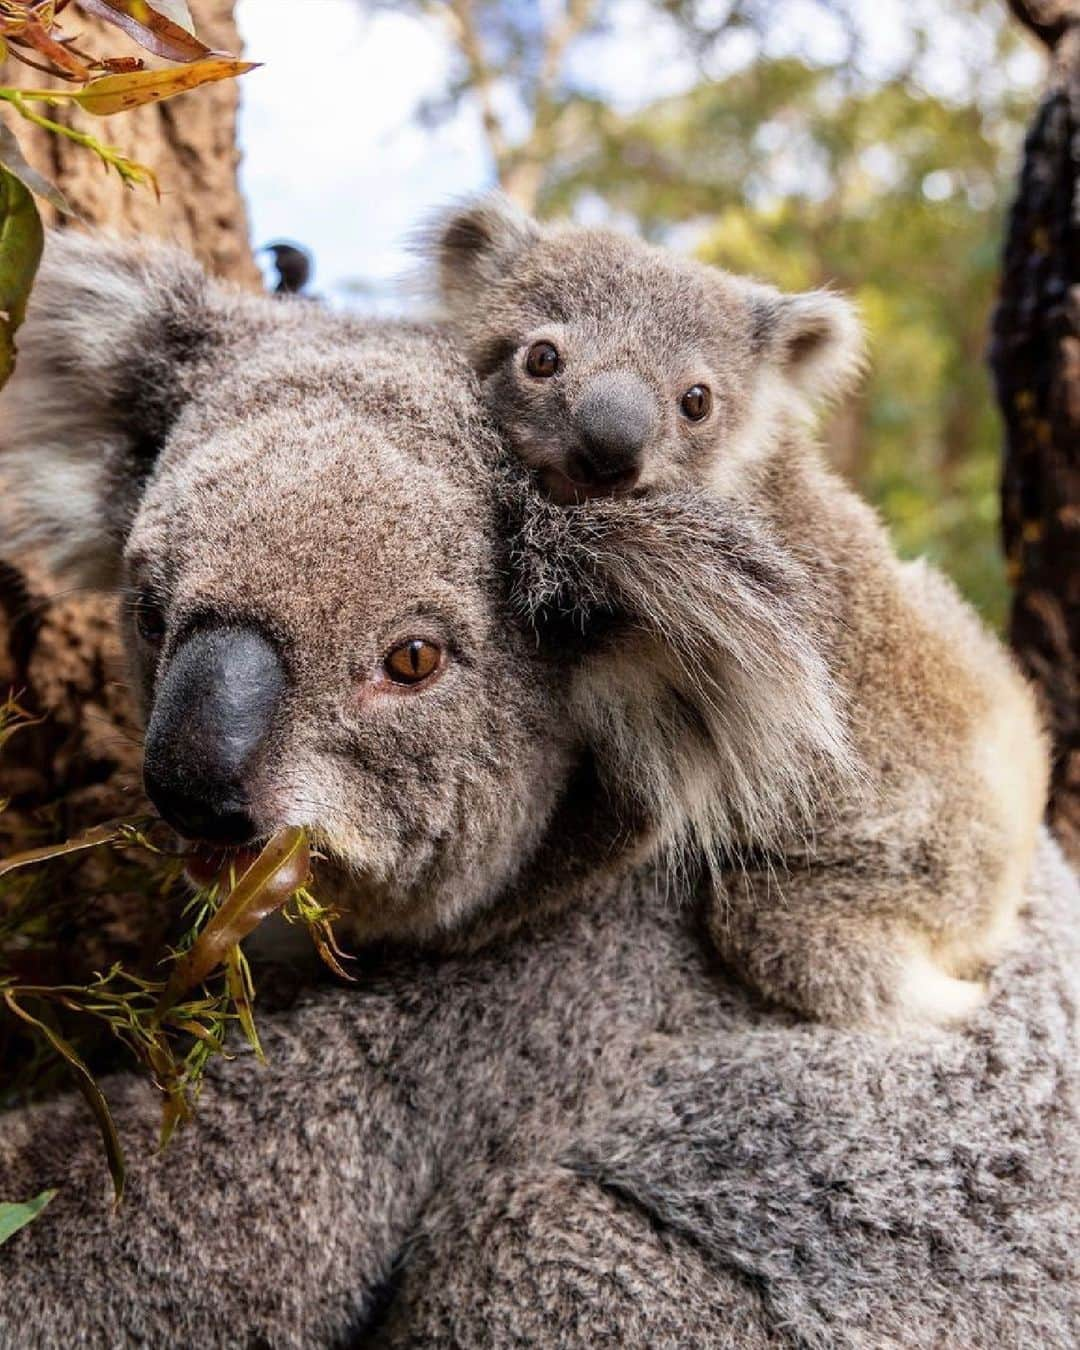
(810, 142)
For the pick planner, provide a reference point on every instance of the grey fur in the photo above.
(553, 1121)
(883, 865)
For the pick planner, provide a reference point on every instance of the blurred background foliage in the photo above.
(866, 144)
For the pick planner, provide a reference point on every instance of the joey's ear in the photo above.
(476, 245)
(814, 340)
(106, 359)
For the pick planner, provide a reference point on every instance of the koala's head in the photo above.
(302, 513)
(614, 365)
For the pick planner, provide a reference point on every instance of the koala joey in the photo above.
(869, 813)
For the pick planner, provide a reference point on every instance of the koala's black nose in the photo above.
(214, 709)
(616, 419)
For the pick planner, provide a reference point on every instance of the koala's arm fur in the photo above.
(604, 1273)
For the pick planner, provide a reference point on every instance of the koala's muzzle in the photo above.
(214, 710)
(615, 419)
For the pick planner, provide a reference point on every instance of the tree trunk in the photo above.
(189, 142)
(1035, 356)
(61, 652)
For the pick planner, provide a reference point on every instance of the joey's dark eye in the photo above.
(149, 621)
(413, 662)
(542, 361)
(696, 402)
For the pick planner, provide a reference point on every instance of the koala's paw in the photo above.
(927, 994)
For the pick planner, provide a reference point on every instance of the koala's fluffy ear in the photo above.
(106, 359)
(813, 340)
(476, 245)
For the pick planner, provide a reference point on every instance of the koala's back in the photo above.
(580, 1135)
(745, 1181)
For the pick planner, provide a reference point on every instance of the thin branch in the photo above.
(460, 16)
(524, 172)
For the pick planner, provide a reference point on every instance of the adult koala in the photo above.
(544, 1117)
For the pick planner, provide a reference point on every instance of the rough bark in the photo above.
(60, 651)
(190, 143)
(1035, 357)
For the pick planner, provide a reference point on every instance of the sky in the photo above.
(334, 159)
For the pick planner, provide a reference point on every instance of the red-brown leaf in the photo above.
(149, 28)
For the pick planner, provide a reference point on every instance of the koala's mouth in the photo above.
(206, 865)
(564, 490)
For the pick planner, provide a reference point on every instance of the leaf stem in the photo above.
(131, 172)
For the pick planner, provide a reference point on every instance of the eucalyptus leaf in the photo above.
(84, 1081)
(178, 11)
(111, 832)
(164, 28)
(119, 93)
(279, 871)
(21, 241)
(14, 1216)
(12, 159)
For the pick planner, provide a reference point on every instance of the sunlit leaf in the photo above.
(16, 1216)
(279, 870)
(12, 158)
(164, 28)
(177, 10)
(118, 93)
(84, 1081)
(21, 242)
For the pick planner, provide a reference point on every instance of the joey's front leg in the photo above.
(835, 945)
(270, 1220)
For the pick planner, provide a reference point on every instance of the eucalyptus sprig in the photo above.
(31, 32)
(172, 1025)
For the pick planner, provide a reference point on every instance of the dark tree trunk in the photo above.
(1035, 356)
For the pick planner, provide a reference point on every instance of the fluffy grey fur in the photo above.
(876, 762)
(544, 1117)
(697, 632)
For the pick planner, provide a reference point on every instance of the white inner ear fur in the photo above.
(816, 341)
(814, 352)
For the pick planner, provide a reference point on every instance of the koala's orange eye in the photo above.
(696, 402)
(149, 621)
(542, 361)
(413, 661)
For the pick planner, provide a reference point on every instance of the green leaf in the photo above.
(238, 981)
(12, 159)
(21, 242)
(16, 1216)
(84, 1081)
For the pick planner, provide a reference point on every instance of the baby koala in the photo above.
(615, 367)
(859, 762)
